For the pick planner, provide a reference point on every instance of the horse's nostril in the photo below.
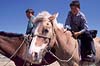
(36, 53)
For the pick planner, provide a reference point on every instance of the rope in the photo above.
(61, 59)
(26, 52)
(15, 52)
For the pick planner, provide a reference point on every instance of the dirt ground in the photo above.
(4, 61)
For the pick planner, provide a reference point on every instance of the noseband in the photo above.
(42, 36)
(48, 44)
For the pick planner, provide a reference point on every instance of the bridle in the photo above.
(48, 49)
(49, 37)
(43, 36)
(46, 37)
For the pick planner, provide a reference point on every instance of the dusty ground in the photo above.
(4, 60)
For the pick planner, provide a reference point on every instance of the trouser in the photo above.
(87, 44)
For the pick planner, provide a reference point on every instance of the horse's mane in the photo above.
(43, 14)
(10, 34)
(46, 14)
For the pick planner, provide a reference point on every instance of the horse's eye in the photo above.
(46, 31)
(47, 23)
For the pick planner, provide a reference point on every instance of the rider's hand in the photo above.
(65, 29)
(76, 34)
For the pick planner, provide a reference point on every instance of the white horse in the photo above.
(48, 34)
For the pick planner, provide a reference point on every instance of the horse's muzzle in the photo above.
(36, 58)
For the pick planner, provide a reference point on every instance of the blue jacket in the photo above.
(30, 26)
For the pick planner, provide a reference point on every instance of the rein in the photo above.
(61, 59)
(15, 52)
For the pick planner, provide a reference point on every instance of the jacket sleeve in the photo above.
(67, 22)
(30, 25)
(84, 25)
(29, 28)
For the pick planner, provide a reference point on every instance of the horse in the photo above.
(44, 38)
(66, 47)
(15, 46)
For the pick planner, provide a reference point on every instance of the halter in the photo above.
(48, 44)
(43, 36)
(47, 37)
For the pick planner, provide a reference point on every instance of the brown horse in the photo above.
(67, 48)
(15, 47)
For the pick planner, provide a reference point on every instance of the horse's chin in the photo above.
(37, 61)
(33, 60)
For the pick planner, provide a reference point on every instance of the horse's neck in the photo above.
(65, 39)
(8, 44)
(68, 46)
(97, 39)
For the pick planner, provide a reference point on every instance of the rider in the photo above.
(31, 25)
(77, 22)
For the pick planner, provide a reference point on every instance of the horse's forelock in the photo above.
(46, 14)
(43, 14)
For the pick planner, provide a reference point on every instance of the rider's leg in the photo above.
(87, 46)
(90, 43)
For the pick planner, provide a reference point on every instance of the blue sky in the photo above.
(13, 18)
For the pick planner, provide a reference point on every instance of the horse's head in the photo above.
(44, 37)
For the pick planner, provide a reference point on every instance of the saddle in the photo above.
(93, 33)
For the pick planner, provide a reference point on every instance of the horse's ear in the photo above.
(54, 16)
